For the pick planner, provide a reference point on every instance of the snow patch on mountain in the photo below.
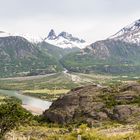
(130, 33)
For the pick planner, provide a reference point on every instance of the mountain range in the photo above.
(118, 54)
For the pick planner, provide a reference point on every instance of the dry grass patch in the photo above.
(47, 91)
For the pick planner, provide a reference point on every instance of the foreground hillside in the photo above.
(84, 116)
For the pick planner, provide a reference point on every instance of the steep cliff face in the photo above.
(96, 104)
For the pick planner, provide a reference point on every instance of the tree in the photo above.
(11, 116)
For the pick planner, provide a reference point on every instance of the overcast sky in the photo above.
(88, 19)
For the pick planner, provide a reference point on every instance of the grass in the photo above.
(86, 133)
(47, 91)
(46, 94)
(2, 98)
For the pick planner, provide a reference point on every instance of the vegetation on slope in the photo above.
(12, 115)
(40, 128)
(107, 56)
(20, 57)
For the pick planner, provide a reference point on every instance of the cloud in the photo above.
(89, 19)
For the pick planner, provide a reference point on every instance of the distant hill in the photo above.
(20, 57)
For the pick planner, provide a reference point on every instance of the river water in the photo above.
(27, 100)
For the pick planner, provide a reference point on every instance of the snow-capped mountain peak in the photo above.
(65, 40)
(130, 33)
(51, 35)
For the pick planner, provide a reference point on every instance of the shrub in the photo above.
(11, 116)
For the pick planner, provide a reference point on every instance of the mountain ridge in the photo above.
(130, 33)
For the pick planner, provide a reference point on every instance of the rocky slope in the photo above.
(96, 104)
(130, 33)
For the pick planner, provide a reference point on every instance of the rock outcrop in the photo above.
(94, 104)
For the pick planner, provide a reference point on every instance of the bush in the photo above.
(11, 116)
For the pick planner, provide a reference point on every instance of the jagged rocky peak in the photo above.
(51, 35)
(130, 33)
(65, 40)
